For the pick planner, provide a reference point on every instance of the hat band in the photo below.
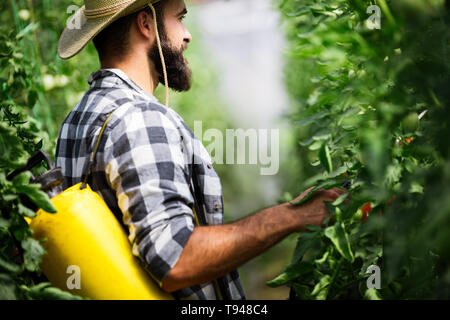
(105, 11)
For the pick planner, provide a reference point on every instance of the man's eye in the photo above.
(182, 18)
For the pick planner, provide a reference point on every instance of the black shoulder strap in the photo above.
(91, 162)
(194, 186)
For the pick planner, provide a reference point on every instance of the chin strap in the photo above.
(158, 41)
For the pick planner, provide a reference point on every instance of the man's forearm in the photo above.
(213, 251)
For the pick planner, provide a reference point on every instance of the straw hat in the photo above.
(92, 18)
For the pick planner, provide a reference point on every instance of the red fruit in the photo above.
(389, 202)
(366, 209)
(407, 140)
(16, 252)
(364, 216)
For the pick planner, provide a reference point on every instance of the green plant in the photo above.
(357, 93)
(21, 136)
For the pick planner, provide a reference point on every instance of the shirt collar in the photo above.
(113, 78)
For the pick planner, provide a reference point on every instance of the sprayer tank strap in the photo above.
(94, 153)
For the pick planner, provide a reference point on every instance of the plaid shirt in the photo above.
(142, 171)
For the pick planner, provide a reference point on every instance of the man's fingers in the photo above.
(339, 191)
(307, 191)
(304, 193)
(327, 195)
(335, 193)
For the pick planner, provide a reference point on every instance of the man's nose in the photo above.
(187, 36)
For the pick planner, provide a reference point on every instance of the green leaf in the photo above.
(393, 173)
(304, 242)
(302, 291)
(26, 211)
(39, 197)
(4, 223)
(322, 135)
(30, 28)
(325, 157)
(339, 238)
(340, 199)
(7, 288)
(372, 294)
(332, 210)
(9, 197)
(322, 259)
(337, 172)
(32, 98)
(33, 254)
(306, 142)
(320, 290)
(21, 179)
(297, 13)
(291, 272)
(45, 291)
(327, 184)
(416, 188)
(9, 267)
(312, 118)
(311, 227)
(315, 145)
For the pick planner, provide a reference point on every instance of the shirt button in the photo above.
(217, 207)
(209, 166)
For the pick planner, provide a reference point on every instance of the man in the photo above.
(148, 156)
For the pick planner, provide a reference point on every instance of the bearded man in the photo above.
(151, 170)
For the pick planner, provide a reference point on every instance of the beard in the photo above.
(178, 71)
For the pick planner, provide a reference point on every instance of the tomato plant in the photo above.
(358, 94)
(21, 136)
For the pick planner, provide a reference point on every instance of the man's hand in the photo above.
(213, 251)
(313, 211)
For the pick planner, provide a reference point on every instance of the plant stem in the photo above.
(386, 10)
(335, 273)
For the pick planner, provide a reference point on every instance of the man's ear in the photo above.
(144, 25)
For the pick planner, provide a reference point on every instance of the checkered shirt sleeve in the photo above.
(146, 167)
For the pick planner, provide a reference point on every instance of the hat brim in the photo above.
(79, 30)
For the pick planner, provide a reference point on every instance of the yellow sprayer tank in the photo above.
(84, 236)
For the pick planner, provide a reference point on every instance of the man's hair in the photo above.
(115, 37)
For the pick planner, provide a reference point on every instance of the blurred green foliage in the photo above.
(25, 122)
(356, 96)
